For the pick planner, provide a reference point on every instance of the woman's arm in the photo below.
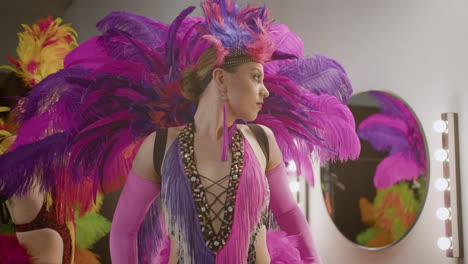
(140, 190)
(283, 205)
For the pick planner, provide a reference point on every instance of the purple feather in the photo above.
(320, 75)
(387, 105)
(172, 56)
(286, 41)
(149, 31)
(90, 55)
(385, 139)
(20, 178)
(396, 130)
(305, 118)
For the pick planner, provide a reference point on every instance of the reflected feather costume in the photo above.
(89, 119)
(396, 130)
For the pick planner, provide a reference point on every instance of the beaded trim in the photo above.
(233, 60)
(228, 60)
(213, 240)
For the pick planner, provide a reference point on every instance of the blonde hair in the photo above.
(196, 79)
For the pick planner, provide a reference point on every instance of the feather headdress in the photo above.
(236, 31)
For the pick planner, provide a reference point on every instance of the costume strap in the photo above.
(4, 213)
(159, 149)
(262, 139)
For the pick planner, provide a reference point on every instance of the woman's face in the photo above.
(246, 91)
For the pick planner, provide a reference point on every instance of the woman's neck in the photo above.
(209, 117)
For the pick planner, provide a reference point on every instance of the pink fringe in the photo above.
(225, 134)
(251, 199)
(165, 252)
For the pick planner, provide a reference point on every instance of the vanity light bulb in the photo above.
(441, 184)
(443, 213)
(444, 243)
(441, 155)
(292, 166)
(294, 186)
(440, 126)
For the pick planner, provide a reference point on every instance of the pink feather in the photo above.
(11, 252)
(385, 120)
(395, 168)
(251, 199)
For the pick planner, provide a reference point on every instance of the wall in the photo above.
(84, 14)
(415, 49)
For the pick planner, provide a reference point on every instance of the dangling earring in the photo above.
(225, 133)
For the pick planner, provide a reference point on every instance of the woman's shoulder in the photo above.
(275, 155)
(245, 129)
(172, 131)
(175, 130)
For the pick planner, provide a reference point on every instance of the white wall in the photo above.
(416, 49)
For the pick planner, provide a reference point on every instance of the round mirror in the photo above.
(375, 200)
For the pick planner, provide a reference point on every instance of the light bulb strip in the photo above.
(451, 172)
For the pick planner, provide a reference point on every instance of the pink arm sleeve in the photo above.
(135, 200)
(288, 214)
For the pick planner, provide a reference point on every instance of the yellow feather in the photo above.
(42, 49)
(4, 109)
(72, 229)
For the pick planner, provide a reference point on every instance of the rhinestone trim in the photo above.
(213, 240)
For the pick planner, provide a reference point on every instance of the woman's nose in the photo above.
(264, 92)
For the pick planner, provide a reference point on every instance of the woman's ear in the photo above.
(219, 78)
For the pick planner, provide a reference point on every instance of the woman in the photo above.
(117, 89)
(32, 212)
(240, 87)
(39, 225)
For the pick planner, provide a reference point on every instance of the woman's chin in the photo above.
(250, 118)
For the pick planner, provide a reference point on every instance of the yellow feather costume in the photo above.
(41, 51)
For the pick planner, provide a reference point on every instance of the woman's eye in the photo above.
(257, 77)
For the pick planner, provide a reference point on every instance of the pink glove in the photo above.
(288, 214)
(136, 198)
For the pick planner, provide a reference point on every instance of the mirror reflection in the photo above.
(375, 200)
